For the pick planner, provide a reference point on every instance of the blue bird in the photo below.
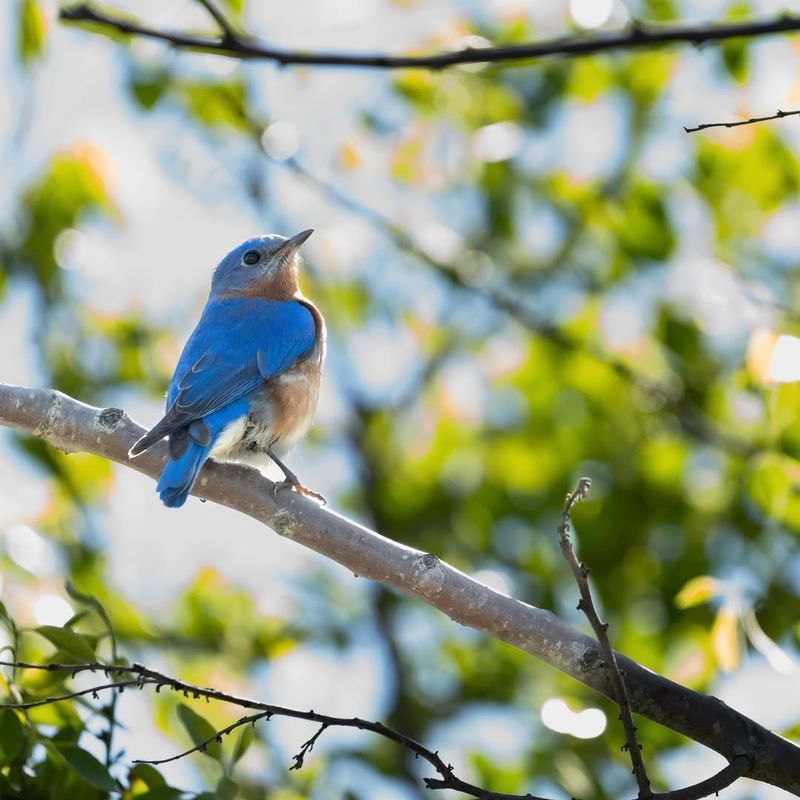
(247, 383)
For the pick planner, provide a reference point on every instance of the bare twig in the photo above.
(71, 426)
(586, 604)
(300, 757)
(752, 121)
(149, 677)
(738, 767)
(216, 737)
(46, 701)
(230, 35)
(637, 36)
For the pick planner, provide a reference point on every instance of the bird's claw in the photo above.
(295, 485)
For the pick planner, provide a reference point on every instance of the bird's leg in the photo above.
(290, 481)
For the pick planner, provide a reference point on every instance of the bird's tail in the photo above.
(156, 434)
(179, 474)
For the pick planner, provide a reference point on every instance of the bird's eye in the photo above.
(252, 257)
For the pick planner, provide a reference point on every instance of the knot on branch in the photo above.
(109, 418)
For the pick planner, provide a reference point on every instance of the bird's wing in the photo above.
(238, 344)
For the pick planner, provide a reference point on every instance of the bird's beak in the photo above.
(290, 245)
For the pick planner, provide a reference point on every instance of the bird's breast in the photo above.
(281, 411)
(293, 396)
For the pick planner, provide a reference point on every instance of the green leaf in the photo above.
(11, 738)
(161, 793)
(641, 224)
(148, 87)
(226, 789)
(31, 31)
(91, 601)
(219, 104)
(75, 644)
(200, 730)
(149, 775)
(5, 619)
(89, 768)
(234, 6)
(243, 742)
(735, 56)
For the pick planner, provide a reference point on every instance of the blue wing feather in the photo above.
(238, 344)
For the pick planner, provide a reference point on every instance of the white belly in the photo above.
(230, 437)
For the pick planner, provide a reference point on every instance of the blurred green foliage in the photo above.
(695, 508)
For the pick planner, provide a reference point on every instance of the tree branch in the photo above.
(46, 701)
(230, 34)
(752, 121)
(71, 426)
(637, 36)
(149, 677)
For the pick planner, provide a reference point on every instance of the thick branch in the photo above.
(636, 36)
(71, 426)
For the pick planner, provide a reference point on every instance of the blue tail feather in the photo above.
(179, 475)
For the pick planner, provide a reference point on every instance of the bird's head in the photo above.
(264, 266)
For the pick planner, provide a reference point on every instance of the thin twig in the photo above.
(738, 767)
(46, 701)
(216, 737)
(307, 746)
(600, 628)
(150, 677)
(637, 36)
(230, 35)
(752, 121)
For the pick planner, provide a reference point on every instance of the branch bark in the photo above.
(245, 47)
(73, 426)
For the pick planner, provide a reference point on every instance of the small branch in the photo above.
(150, 677)
(586, 604)
(46, 701)
(230, 34)
(738, 768)
(752, 121)
(740, 765)
(636, 37)
(217, 737)
(307, 747)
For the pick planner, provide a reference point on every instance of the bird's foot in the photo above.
(291, 482)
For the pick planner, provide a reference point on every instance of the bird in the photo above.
(247, 383)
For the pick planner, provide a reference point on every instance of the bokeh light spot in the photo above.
(586, 724)
(590, 13)
(50, 609)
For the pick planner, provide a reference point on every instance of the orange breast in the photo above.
(294, 395)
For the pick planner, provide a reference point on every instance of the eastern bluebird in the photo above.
(247, 382)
